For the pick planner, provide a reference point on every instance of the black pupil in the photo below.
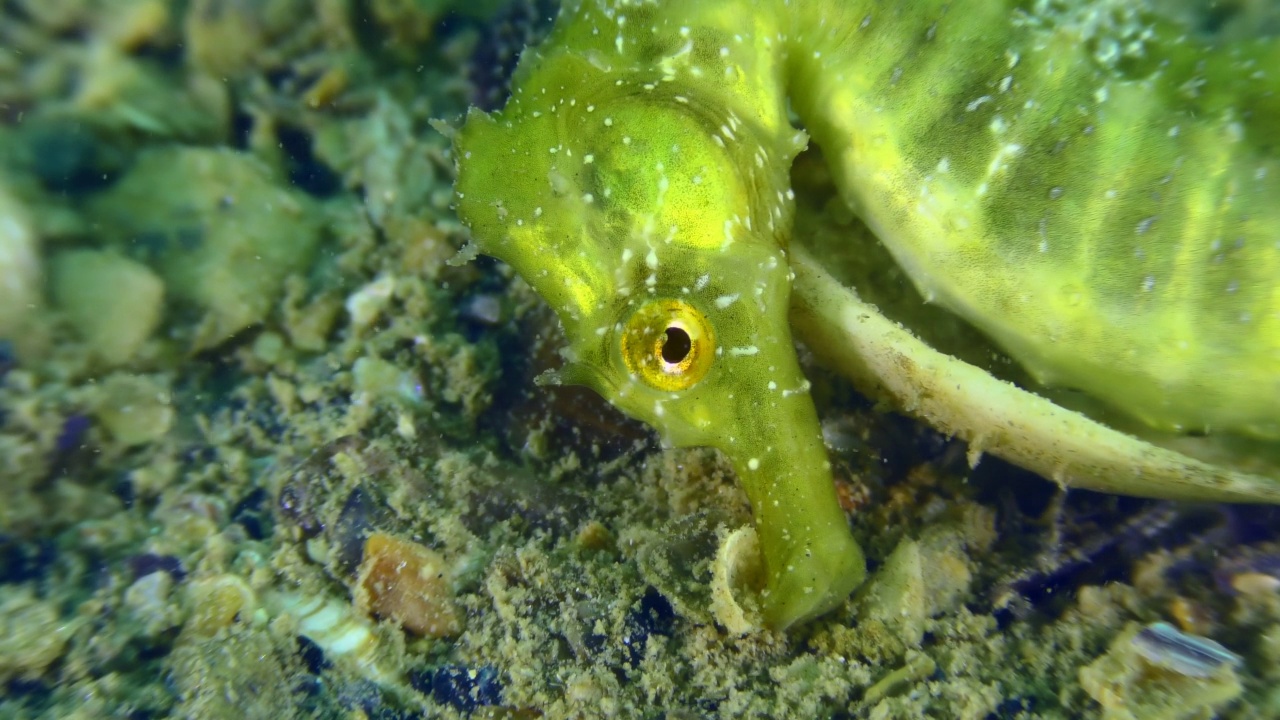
(677, 345)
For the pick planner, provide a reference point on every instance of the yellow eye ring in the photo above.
(668, 344)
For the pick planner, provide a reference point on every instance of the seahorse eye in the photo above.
(668, 344)
(677, 345)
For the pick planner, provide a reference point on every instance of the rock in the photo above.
(115, 303)
(222, 230)
(376, 379)
(135, 410)
(32, 634)
(228, 39)
(920, 580)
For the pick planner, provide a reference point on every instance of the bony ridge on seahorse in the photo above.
(638, 180)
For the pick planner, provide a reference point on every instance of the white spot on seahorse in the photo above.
(743, 351)
(977, 103)
(725, 301)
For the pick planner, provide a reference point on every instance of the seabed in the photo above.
(268, 451)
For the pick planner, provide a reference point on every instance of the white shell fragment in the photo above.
(1191, 655)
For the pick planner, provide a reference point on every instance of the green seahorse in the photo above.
(1094, 186)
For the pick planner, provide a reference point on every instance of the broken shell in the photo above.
(1164, 645)
(343, 635)
(737, 572)
(218, 602)
(1156, 671)
(407, 583)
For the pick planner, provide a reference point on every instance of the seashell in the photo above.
(1164, 645)
(219, 602)
(407, 583)
(344, 636)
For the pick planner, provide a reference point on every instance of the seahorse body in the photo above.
(1096, 190)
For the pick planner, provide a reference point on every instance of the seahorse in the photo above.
(1094, 186)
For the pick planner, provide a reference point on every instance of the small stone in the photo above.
(136, 410)
(113, 302)
(219, 602)
(376, 379)
(32, 634)
(269, 347)
(595, 537)
(148, 604)
(1165, 646)
(366, 304)
(920, 580)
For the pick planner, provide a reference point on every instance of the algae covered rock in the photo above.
(227, 37)
(135, 410)
(115, 303)
(221, 229)
(920, 580)
(32, 634)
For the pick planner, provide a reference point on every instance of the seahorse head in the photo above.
(654, 222)
(626, 208)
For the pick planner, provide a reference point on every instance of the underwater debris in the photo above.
(341, 634)
(1161, 674)
(1164, 645)
(407, 583)
(367, 304)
